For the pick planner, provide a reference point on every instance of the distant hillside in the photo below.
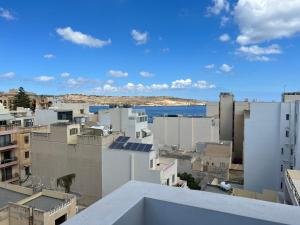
(133, 100)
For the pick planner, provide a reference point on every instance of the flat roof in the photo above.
(44, 203)
(7, 196)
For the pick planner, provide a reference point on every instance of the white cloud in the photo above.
(75, 83)
(49, 56)
(218, 7)
(224, 38)
(81, 39)
(210, 66)
(224, 21)
(117, 73)
(146, 74)
(65, 74)
(257, 53)
(6, 14)
(226, 68)
(264, 20)
(159, 86)
(203, 84)
(8, 75)
(109, 88)
(178, 84)
(44, 78)
(110, 81)
(139, 37)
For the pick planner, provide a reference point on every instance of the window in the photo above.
(5, 140)
(173, 178)
(291, 167)
(287, 116)
(151, 163)
(81, 111)
(73, 131)
(287, 133)
(292, 151)
(281, 168)
(281, 151)
(168, 181)
(26, 155)
(281, 185)
(27, 170)
(26, 139)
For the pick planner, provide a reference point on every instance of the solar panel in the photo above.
(147, 148)
(119, 139)
(141, 147)
(134, 146)
(127, 146)
(119, 146)
(125, 139)
(113, 145)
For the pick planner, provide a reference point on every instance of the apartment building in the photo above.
(132, 122)
(138, 203)
(129, 159)
(9, 166)
(72, 112)
(231, 116)
(7, 99)
(182, 132)
(271, 144)
(68, 151)
(25, 206)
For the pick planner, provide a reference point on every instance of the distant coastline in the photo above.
(132, 100)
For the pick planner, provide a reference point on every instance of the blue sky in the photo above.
(192, 49)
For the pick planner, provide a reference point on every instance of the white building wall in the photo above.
(261, 147)
(185, 132)
(121, 166)
(45, 117)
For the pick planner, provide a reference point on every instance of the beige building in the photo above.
(24, 206)
(7, 99)
(65, 150)
(290, 96)
(238, 130)
(231, 116)
(214, 159)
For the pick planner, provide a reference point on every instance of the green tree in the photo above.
(22, 99)
(191, 182)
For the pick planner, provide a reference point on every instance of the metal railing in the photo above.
(295, 192)
(12, 159)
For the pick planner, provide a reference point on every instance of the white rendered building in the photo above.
(128, 159)
(271, 144)
(184, 132)
(132, 122)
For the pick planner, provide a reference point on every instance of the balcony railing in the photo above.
(5, 161)
(8, 127)
(294, 190)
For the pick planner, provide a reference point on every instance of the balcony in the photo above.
(8, 162)
(7, 146)
(8, 129)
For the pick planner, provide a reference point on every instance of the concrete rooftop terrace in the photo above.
(7, 196)
(139, 203)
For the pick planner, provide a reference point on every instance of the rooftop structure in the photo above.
(136, 161)
(67, 150)
(20, 204)
(132, 122)
(138, 203)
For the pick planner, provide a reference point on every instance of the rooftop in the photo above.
(44, 203)
(138, 203)
(7, 196)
